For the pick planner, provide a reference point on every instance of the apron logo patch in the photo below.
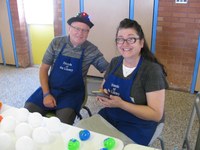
(114, 89)
(66, 67)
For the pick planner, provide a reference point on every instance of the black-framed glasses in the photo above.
(77, 29)
(130, 40)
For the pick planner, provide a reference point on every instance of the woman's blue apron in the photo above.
(139, 130)
(65, 82)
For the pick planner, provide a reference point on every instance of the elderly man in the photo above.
(68, 58)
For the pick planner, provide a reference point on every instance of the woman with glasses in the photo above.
(136, 83)
(63, 71)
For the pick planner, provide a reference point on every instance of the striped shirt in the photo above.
(92, 55)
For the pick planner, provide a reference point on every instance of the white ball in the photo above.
(25, 143)
(22, 115)
(41, 135)
(5, 141)
(8, 123)
(35, 119)
(23, 129)
(53, 124)
(9, 112)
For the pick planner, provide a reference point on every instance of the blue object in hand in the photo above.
(84, 135)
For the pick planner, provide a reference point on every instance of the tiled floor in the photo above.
(17, 84)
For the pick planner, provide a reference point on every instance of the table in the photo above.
(61, 138)
(138, 147)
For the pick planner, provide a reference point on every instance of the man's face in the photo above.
(78, 33)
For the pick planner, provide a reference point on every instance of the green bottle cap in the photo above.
(109, 143)
(73, 144)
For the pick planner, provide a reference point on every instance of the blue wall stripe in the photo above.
(81, 5)
(12, 33)
(131, 9)
(154, 26)
(2, 51)
(63, 18)
(196, 67)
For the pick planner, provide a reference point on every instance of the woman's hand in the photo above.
(49, 101)
(112, 102)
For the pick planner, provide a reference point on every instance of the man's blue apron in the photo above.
(65, 82)
(140, 131)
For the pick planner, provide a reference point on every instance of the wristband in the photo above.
(46, 94)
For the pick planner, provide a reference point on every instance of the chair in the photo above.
(158, 135)
(195, 110)
(84, 104)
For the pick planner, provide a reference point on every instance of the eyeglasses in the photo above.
(130, 40)
(77, 29)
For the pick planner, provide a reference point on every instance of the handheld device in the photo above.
(100, 93)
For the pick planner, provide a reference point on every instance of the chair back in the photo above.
(84, 103)
(158, 135)
(195, 110)
(197, 107)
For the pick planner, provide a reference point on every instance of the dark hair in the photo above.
(145, 51)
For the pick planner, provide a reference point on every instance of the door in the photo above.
(106, 18)
(6, 34)
(197, 88)
(143, 14)
(1, 50)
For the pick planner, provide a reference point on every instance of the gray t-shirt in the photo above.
(92, 55)
(149, 78)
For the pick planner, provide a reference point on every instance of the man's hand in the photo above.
(49, 101)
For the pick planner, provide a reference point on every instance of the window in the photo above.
(181, 1)
(39, 11)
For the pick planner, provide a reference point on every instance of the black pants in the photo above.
(66, 115)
